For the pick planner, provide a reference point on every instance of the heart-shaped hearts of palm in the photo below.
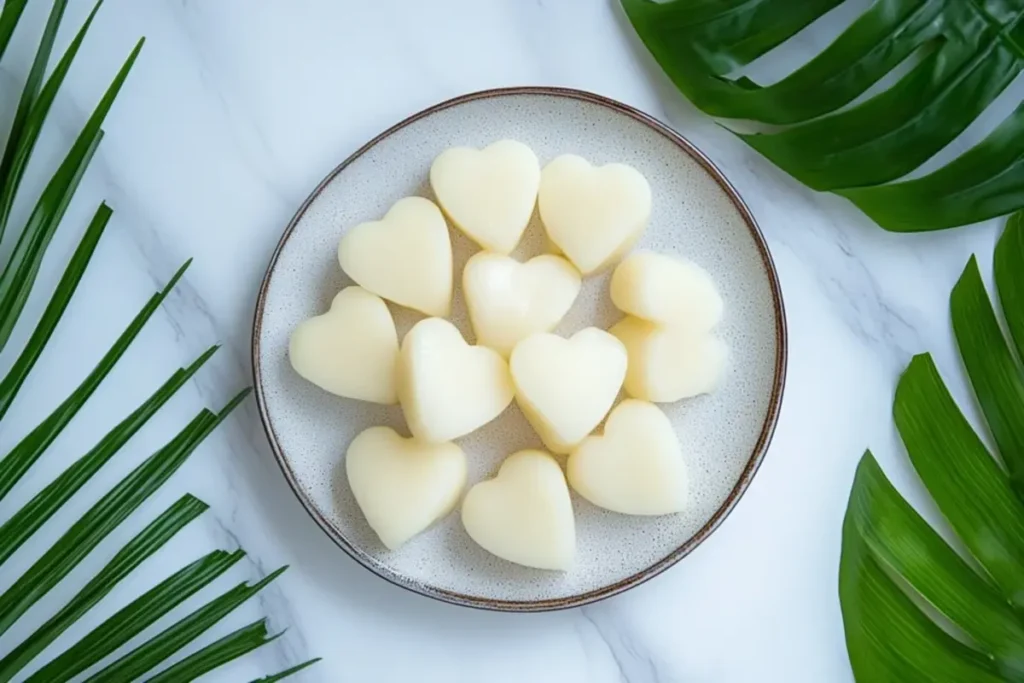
(565, 387)
(351, 350)
(406, 257)
(508, 300)
(488, 194)
(592, 214)
(673, 306)
(524, 514)
(636, 467)
(448, 388)
(403, 485)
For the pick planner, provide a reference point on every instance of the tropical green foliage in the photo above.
(913, 607)
(966, 52)
(17, 279)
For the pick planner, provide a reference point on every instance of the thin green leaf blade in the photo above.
(1008, 266)
(19, 275)
(101, 519)
(287, 672)
(901, 541)
(171, 640)
(962, 477)
(135, 617)
(26, 521)
(9, 18)
(25, 133)
(66, 288)
(14, 465)
(218, 653)
(133, 554)
(994, 373)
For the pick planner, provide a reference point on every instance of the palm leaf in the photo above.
(17, 278)
(968, 50)
(913, 608)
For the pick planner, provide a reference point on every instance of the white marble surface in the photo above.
(234, 112)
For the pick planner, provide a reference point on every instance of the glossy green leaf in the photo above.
(994, 373)
(963, 478)
(66, 288)
(967, 52)
(26, 521)
(897, 538)
(231, 646)
(916, 608)
(167, 642)
(889, 639)
(14, 465)
(134, 553)
(132, 619)
(20, 272)
(1008, 266)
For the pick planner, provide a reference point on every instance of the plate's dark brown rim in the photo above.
(760, 448)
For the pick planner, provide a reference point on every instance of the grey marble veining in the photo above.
(233, 113)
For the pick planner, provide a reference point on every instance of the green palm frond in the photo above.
(967, 52)
(901, 584)
(17, 279)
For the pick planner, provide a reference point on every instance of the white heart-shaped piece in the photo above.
(667, 364)
(593, 214)
(448, 388)
(524, 515)
(565, 387)
(668, 290)
(636, 467)
(406, 257)
(351, 350)
(488, 193)
(508, 300)
(403, 485)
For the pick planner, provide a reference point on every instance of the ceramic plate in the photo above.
(696, 214)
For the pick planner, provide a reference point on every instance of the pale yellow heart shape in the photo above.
(668, 290)
(406, 257)
(593, 214)
(636, 467)
(448, 388)
(565, 387)
(488, 194)
(351, 350)
(403, 485)
(524, 515)
(508, 300)
(667, 364)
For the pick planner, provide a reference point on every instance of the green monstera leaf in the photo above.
(966, 52)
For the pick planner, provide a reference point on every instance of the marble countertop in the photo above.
(234, 112)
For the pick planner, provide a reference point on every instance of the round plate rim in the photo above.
(760, 447)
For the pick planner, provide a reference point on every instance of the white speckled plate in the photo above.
(696, 214)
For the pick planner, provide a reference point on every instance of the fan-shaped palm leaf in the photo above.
(968, 51)
(17, 278)
(914, 609)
